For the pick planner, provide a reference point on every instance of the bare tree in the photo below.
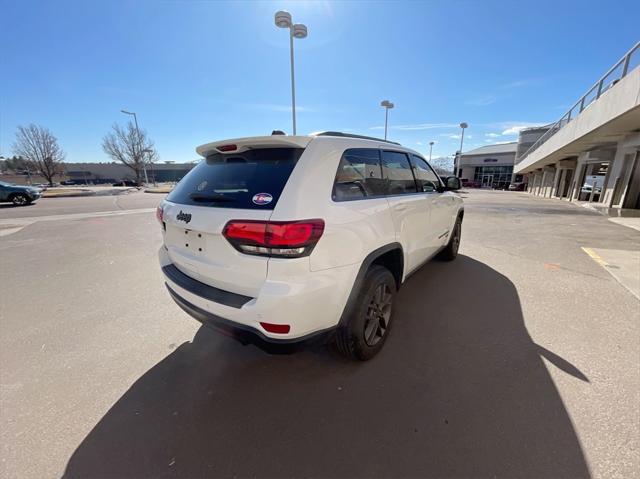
(443, 165)
(37, 145)
(131, 147)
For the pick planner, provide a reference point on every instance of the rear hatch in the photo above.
(238, 179)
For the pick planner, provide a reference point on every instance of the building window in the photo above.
(493, 176)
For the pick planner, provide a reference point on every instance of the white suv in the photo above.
(283, 238)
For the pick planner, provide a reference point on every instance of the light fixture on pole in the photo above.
(463, 125)
(387, 106)
(144, 166)
(430, 149)
(296, 30)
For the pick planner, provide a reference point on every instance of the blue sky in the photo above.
(197, 71)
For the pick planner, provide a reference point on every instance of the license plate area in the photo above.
(193, 242)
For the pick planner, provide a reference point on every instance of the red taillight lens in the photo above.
(291, 239)
(252, 232)
(159, 214)
(276, 328)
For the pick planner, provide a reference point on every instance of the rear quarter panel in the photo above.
(352, 228)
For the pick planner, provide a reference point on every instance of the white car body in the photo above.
(310, 293)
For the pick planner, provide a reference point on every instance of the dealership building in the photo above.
(104, 173)
(489, 166)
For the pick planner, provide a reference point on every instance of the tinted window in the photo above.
(232, 180)
(359, 175)
(397, 171)
(425, 177)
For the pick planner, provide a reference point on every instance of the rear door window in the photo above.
(359, 175)
(396, 169)
(253, 179)
(426, 178)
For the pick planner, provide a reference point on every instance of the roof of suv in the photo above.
(241, 144)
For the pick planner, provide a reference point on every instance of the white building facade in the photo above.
(489, 166)
(592, 154)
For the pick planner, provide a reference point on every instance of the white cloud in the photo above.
(275, 107)
(505, 125)
(491, 135)
(514, 130)
(419, 143)
(483, 100)
(418, 126)
(450, 136)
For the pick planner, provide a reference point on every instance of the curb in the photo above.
(82, 193)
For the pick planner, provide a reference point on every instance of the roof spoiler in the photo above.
(238, 145)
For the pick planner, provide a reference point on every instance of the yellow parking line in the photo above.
(595, 257)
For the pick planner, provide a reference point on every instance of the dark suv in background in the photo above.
(19, 195)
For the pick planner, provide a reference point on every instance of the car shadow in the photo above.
(460, 390)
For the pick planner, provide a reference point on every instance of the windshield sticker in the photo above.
(262, 199)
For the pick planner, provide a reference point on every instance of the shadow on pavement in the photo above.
(460, 390)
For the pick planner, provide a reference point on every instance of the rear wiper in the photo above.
(210, 198)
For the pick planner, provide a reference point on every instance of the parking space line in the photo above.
(71, 216)
(595, 256)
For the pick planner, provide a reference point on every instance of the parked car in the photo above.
(517, 186)
(72, 182)
(127, 183)
(19, 195)
(588, 188)
(284, 238)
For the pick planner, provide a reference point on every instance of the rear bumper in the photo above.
(311, 303)
(241, 332)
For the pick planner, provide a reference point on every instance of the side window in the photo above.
(396, 170)
(426, 178)
(359, 175)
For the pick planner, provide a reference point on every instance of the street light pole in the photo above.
(463, 125)
(387, 105)
(149, 152)
(135, 119)
(296, 30)
(430, 149)
(293, 85)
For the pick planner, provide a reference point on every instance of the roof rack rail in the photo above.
(350, 135)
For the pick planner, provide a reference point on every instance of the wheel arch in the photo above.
(390, 256)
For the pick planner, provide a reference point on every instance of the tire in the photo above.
(366, 327)
(20, 200)
(450, 252)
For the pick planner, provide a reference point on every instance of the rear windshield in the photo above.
(253, 179)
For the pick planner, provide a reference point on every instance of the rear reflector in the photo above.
(276, 328)
(159, 214)
(287, 239)
(227, 148)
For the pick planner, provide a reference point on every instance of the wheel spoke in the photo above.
(370, 331)
(378, 315)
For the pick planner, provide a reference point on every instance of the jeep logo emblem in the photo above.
(186, 217)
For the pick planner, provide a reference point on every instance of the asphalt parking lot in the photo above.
(519, 359)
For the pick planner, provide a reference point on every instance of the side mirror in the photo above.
(452, 183)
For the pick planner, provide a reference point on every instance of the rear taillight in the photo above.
(159, 214)
(284, 239)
